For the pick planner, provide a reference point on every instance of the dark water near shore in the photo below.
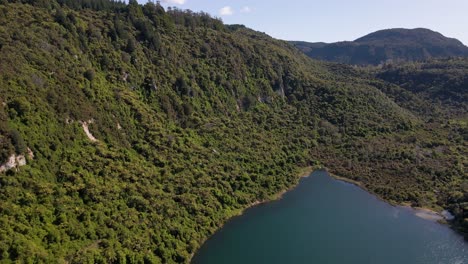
(328, 221)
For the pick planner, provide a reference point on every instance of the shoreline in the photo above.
(303, 173)
(343, 179)
(422, 212)
(426, 213)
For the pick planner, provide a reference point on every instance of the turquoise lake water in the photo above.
(331, 222)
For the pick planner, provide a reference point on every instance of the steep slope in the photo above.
(390, 45)
(194, 121)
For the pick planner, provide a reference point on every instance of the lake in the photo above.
(324, 220)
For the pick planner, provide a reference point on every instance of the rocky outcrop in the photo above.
(30, 154)
(85, 126)
(14, 161)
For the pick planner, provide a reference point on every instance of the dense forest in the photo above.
(442, 82)
(145, 129)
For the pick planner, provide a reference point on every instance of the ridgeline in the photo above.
(394, 45)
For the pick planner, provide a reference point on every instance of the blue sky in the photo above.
(335, 20)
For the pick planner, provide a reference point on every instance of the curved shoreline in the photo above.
(425, 213)
(303, 172)
(429, 214)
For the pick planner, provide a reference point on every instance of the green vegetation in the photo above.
(441, 82)
(195, 121)
(389, 45)
(441, 86)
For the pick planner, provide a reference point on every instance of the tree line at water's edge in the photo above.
(195, 121)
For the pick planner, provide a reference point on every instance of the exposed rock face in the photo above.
(20, 160)
(30, 154)
(86, 130)
(11, 163)
(14, 161)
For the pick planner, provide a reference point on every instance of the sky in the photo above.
(335, 20)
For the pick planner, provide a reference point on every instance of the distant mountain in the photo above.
(388, 45)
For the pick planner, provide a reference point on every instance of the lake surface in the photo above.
(328, 221)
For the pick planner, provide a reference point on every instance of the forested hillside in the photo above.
(437, 91)
(145, 129)
(387, 46)
(443, 82)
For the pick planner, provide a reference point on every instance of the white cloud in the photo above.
(226, 11)
(246, 9)
(174, 2)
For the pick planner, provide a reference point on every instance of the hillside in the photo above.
(145, 129)
(390, 45)
(437, 91)
(441, 81)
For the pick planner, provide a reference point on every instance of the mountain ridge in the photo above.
(388, 45)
